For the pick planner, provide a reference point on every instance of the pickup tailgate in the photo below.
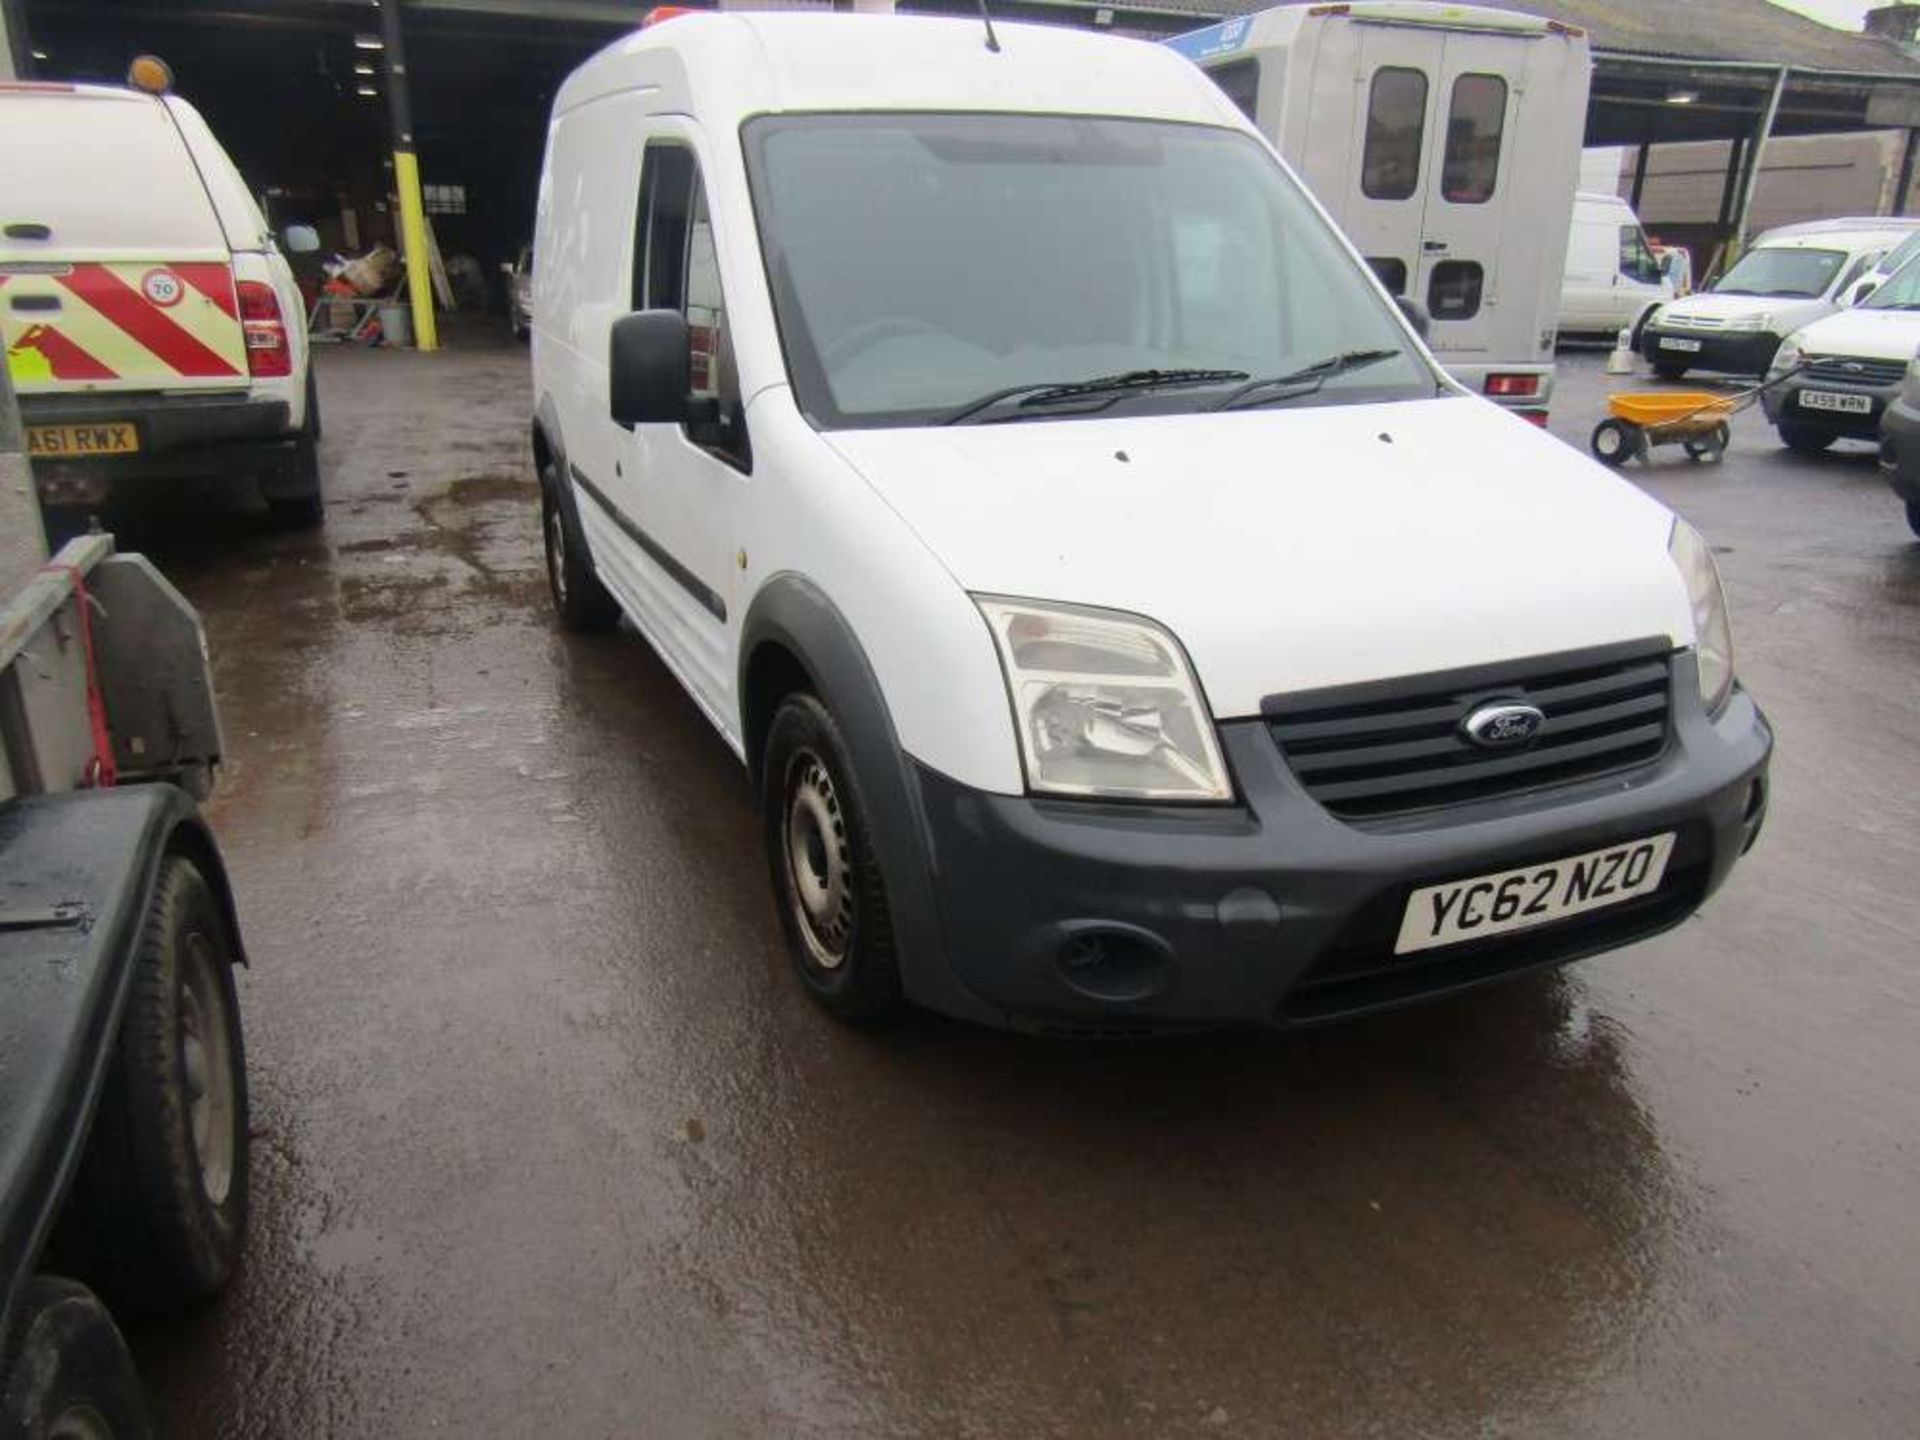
(114, 271)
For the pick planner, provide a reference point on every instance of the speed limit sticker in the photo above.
(162, 287)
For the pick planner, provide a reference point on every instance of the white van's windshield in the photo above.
(1784, 270)
(984, 268)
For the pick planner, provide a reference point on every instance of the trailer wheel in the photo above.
(1714, 446)
(1670, 373)
(65, 1373)
(156, 1215)
(1614, 443)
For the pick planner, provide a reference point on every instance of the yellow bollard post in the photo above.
(406, 180)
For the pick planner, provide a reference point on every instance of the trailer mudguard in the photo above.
(77, 872)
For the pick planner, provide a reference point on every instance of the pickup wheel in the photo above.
(294, 497)
(1913, 516)
(158, 1210)
(826, 880)
(579, 598)
(65, 1373)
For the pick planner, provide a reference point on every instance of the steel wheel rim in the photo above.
(206, 1060)
(819, 861)
(557, 553)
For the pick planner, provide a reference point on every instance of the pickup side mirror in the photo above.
(1416, 314)
(1863, 290)
(649, 369)
(302, 239)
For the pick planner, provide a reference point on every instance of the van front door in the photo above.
(677, 487)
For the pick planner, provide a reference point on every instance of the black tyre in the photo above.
(293, 498)
(826, 880)
(1614, 442)
(579, 598)
(1805, 439)
(1714, 447)
(1913, 516)
(1640, 327)
(65, 1373)
(1670, 372)
(158, 1210)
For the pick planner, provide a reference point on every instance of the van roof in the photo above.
(1832, 238)
(742, 63)
(1848, 224)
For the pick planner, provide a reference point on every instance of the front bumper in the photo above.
(1119, 919)
(1900, 449)
(180, 436)
(1735, 352)
(1783, 405)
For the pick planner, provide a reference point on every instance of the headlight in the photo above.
(1713, 633)
(1788, 355)
(1762, 321)
(1105, 704)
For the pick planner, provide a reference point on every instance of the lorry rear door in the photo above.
(114, 269)
(1464, 223)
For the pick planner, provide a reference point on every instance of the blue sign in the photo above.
(1222, 39)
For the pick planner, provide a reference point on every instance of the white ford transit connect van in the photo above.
(152, 327)
(1124, 621)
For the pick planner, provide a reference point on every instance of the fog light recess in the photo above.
(1105, 962)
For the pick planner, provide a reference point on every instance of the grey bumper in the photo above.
(1116, 918)
(1784, 406)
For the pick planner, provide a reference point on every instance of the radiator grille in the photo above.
(1383, 749)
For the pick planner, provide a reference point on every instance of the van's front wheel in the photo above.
(826, 879)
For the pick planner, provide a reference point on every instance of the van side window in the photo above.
(1636, 260)
(675, 267)
(1860, 266)
(1476, 124)
(1396, 124)
(1240, 82)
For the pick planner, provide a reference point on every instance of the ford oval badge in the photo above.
(1504, 724)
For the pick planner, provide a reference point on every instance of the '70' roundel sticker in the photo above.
(162, 287)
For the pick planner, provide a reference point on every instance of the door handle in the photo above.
(28, 230)
(1432, 245)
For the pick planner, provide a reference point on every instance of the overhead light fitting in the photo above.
(363, 70)
(39, 54)
(368, 91)
(1682, 97)
(368, 42)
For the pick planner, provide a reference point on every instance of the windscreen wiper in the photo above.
(1052, 392)
(1305, 380)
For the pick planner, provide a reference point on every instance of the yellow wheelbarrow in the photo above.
(1636, 423)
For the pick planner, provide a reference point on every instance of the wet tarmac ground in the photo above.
(548, 1141)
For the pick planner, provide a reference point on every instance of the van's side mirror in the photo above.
(1416, 314)
(302, 239)
(1863, 290)
(649, 369)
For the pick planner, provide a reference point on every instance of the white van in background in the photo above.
(1445, 141)
(1793, 276)
(1612, 278)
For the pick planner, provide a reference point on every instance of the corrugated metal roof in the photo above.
(1752, 30)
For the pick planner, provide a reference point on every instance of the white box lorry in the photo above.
(1445, 141)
